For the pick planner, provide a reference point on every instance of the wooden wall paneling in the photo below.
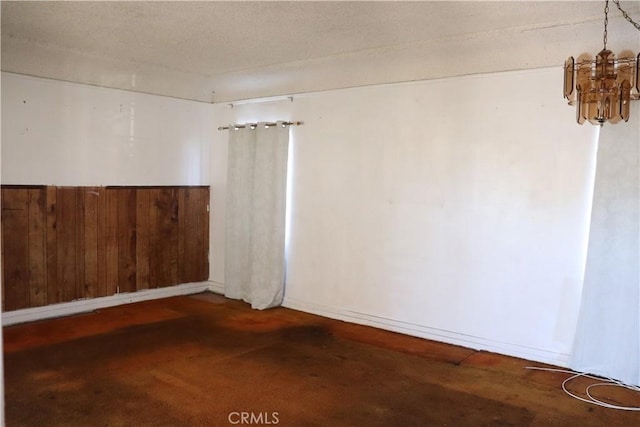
(37, 247)
(111, 241)
(67, 243)
(127, 208)
(60, 244)
(143, 215)
(15, 237)
(90, 197)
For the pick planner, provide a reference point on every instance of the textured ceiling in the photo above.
(222, 51)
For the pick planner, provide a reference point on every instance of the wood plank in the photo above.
(191, 237)
(183, 260)
(67, 219)
(196, 236)
(52, 244)
(204, 254)
(37, 247)
(101, 239)
(2, 248)
(168, 237)
(143, 209)
(154, 236)
(80, 260)
(90, 196)
(126, 239)
(163, 250)
(111, 242)
(15, 238)
(172, 229)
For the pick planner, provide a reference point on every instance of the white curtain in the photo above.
(608, 333)
(255, 214)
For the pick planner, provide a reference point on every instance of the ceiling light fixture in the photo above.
(602, 88)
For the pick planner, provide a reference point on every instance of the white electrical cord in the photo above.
(608, 382)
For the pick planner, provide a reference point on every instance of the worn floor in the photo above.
(204, 360)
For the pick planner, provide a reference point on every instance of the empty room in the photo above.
(320, 213)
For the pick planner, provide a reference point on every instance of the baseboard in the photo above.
(216, 287)
(86, 305)
(421, 331)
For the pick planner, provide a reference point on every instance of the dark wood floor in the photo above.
(206, 360)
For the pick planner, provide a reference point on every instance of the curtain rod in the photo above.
(254, 125)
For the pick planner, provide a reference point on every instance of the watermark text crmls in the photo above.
(253, 418)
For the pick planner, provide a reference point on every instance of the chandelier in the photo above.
(602, 88)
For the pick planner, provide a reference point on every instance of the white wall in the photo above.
(415, 207)
(453, 209)
(60, 133)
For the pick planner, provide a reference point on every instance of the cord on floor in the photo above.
(604, 382)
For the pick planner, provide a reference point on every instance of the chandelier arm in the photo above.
(626, 15)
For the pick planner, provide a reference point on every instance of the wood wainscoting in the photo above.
(61, 244)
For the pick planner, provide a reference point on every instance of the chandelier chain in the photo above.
(606, 21)
(626, 15)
